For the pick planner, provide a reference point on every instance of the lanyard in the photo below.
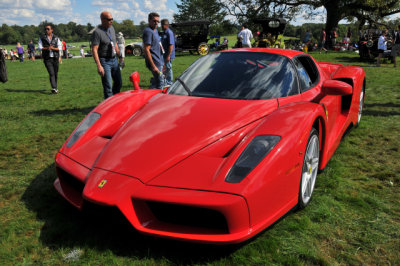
(108, 32)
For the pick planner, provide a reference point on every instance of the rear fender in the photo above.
(271, 189)
(293, 124)
(355, 76)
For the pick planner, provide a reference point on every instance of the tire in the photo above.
(310, 169)
(137, 51)
(203, 48)
(361, 106)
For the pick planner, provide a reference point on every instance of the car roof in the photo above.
(288, 53)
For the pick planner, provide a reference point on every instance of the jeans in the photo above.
(168, 73)
(111, 73)
(157, 82)
(21, 57)
(52, 67)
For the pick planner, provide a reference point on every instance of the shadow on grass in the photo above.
(104, 228)
(30, 91)
(384, 109)
(356, 61)
(46, 112)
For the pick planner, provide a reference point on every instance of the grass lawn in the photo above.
(354, 217)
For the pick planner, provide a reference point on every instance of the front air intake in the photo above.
(183, 215)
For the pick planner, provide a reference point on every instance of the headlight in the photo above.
(83, 127)
(257, 149)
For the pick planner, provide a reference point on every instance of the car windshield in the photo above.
(238, 75)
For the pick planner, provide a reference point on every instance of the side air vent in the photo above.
(346, 99)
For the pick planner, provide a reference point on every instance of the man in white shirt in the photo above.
(381, 47)
(246, 36)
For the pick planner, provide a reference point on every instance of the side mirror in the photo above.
(134, 78)
(336, 87)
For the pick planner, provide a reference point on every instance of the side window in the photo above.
(307, 72)
(289, 84)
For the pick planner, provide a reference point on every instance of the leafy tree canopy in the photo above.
(211, 10)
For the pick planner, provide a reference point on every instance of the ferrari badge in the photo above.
(102, 183)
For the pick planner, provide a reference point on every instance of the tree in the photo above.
(211, 10)
(340, 9)
(126, 27)
(245, 11)
(9, 35)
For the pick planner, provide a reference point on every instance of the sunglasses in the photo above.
(109, 19)
(47, 29)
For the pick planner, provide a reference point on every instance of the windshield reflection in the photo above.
(239, 75)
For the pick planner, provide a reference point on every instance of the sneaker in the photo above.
(54, 91)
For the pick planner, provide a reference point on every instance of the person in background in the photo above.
(61, 53)
(246, 35)
(20, 52)
(152, 51)
(31, 50)
(381, 47)
(334, 36)
(82, 52)
(322, 40)
(64, 50)
(105, 52)
(223, 45)
(12, 56)
(396, 45)
(51, 46)
(168, 42)
(121, 43)
(307, 40)
(349, 34)
(6, 54)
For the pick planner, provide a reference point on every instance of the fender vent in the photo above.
(346, 99)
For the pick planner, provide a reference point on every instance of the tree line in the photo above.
(227, 15)
(70, 32)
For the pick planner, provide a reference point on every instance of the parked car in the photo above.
(232, 146)
(192, 36)
(135, 48)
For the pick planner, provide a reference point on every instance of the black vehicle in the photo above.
(192, 36)
(368, 44)
(271, 33)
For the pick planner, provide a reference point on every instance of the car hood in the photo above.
(169, 128)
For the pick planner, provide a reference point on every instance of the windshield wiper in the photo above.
(184, 86)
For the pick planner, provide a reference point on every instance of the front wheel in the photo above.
(203, 48)
(310, 169)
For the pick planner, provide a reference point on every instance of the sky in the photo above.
(32, 12)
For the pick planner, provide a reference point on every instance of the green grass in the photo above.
(354, 217)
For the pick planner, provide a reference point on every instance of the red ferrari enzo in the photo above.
(233, 145)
